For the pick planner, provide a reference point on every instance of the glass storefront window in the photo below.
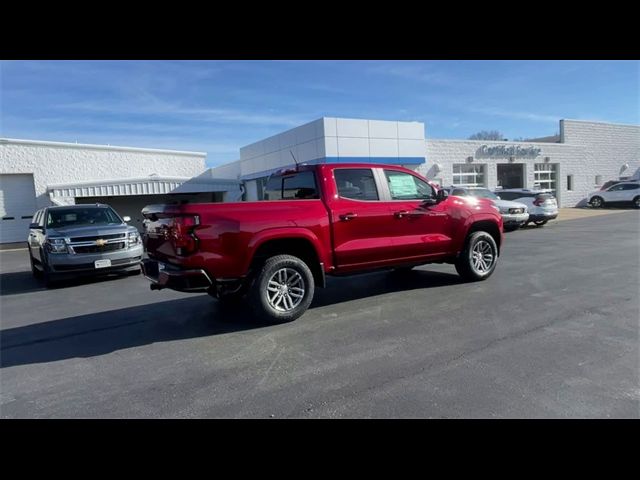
(545, 175)
(469, 175)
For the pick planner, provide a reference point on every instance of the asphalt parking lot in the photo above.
(554, 333)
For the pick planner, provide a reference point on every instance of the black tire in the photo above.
(49, 278)
(540, 222)
(259, 295)
(596, 202)
(465, 261)
(34, 270)
(636, 202)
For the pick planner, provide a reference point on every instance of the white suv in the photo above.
(620, 193)
(542, 205)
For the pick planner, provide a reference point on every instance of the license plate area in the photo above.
(102, 263)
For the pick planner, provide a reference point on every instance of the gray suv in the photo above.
(82, 239)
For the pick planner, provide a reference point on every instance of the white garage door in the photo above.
(17, 205)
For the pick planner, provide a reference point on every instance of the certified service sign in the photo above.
(507, 151)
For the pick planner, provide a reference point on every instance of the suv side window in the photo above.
(507, 195)
(297, 186)
(356, 183)
(404, 186)
(631, 186)
(617, 188)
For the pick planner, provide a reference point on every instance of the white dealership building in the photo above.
(34, 174)
(583, 156)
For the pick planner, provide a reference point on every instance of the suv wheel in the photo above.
(597, 202)
(34, 270)
(540, 222)
(478, 259)
(636, 202)
(282, 290)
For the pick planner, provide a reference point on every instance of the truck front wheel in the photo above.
(478, 259)
(282, 290)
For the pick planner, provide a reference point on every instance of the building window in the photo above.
(468, 175)
(261, 184)
(545, 175)
(598, 180)
(570, 183)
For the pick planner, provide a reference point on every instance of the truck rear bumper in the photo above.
(168, 276)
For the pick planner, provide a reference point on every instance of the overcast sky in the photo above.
(217, 107)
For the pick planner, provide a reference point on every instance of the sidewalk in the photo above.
(573, 213)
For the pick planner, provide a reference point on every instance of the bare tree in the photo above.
(487, 135)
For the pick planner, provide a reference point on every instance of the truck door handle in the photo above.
(401, 213)
(348, 216)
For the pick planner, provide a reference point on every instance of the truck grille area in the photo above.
(97, 237)
(109, 247)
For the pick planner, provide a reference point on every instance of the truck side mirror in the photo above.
(442, 195)
(126, 218)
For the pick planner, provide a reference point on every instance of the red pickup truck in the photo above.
(317, 220)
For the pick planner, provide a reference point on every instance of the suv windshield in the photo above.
(66, 217)
(482, 193)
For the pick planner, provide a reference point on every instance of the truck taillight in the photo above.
(182, 234)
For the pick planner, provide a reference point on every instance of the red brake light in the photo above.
(181, 232)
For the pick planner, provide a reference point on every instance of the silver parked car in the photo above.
(514, 214)
(80, 240)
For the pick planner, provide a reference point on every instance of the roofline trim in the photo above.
(19, 141)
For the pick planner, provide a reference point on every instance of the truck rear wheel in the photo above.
(478, 259)
(282, 290)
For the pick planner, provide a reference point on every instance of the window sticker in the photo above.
(402, 186)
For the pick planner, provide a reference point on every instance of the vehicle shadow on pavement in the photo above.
(197, 316)
(105, 332)
(344, 289)
(15, 283)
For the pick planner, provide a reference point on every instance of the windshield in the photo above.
(66, 217)
(482, 193)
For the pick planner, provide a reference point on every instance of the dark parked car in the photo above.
(82, 239)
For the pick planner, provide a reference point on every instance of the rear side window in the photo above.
(356, 183)
(631, 186)
(298, 186)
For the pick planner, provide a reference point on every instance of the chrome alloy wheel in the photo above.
(285, 290)
(482, 257)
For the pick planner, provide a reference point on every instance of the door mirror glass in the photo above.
(126, 218)
(442, 195)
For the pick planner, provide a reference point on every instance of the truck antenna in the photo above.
(294, 159)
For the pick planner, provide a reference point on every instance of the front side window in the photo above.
(356, 183)
(616, 188)
(404, 186)
(67, 217)
(297, 186)
(468, 175)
